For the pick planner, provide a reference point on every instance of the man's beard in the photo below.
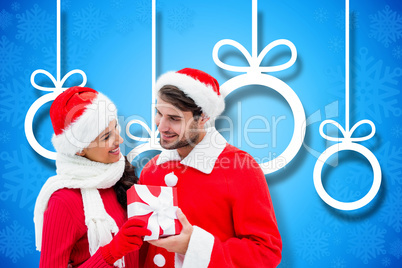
(191, 140)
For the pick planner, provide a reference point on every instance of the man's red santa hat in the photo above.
(199, 86)
(78, 116)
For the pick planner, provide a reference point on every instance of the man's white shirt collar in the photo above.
(203, 156)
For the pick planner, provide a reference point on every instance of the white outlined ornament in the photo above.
(56, 90)
(347, 144)
(254, 75)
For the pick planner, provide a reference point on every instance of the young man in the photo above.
(226, 210)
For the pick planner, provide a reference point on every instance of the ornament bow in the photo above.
(152, 135)
(151, 142)
(57, 83)
(161, 207)
(347, 134)
(254, 60)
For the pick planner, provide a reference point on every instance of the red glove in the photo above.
(128, 238)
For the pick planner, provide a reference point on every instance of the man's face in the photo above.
(177, 128)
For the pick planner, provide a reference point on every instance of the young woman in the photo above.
(80, 214)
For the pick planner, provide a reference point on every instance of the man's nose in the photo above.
(163, 124)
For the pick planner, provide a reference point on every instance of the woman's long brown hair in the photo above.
(128, 179)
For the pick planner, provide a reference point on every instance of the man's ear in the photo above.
(204, 119)
(82, 153)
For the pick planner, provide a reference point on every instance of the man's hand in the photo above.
(178, 243)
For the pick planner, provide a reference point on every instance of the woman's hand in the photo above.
(178, 243)
(129, 238)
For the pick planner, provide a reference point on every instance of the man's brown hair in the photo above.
(177, 98)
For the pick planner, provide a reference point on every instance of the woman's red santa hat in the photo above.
(78, 116)
(199, 86)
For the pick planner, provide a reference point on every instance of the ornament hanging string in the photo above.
(152, 141)
(254, 60)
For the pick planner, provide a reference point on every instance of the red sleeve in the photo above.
(257, 242)
(61, 231)
(96, 260)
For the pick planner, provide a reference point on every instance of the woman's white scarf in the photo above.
(78, 172)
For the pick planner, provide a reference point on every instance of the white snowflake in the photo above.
(16, 97)
(65, 5)
(337, 240)
(124, 25)
(358, 180)
(391, 162)
(312, 244)
(386, 261)
(366, 241)
(5, 136)
(15, 241)
(180, 19)
(15, 6)
(35, 26)
(6, 19)
(396, 131)
(330, 222)
(143, 12)
(22, 177)
(336, 44)
(48, 59)
(327, 220)
(118, 3)
(10, 58)
(376, 87)
(4, 215)
(32, 60)
(338, 262)
(90, 23)
(285, 263)
(396, 249)
(73, 56)
(397, 52)
(353, 20)
(349, 188)
(321, 15)
(386, 26)
(391, 212)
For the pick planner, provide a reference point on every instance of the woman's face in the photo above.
(105, 148)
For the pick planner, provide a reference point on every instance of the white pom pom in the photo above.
(171, 179)
(159, 260)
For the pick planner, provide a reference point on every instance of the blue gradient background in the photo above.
(111, 42)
